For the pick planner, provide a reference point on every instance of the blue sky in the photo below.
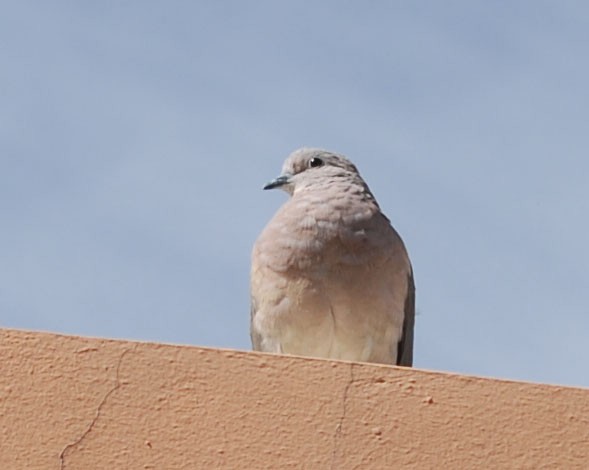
(135, 138)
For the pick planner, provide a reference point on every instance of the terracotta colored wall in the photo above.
(79, 403)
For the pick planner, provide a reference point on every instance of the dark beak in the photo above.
(276, 183)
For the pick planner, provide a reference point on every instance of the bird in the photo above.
(330, 277)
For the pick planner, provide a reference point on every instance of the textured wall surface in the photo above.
(80, 403)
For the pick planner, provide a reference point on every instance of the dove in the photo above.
(330, 277)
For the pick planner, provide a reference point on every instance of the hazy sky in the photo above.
(135, 138)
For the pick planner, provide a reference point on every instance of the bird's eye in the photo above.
(315, 162)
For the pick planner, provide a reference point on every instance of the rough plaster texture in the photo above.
(80, 403)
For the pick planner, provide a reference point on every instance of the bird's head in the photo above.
(308, 167)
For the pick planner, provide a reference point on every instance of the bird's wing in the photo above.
(254, 335)
(405, 346)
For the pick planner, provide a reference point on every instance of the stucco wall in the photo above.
(79, 403)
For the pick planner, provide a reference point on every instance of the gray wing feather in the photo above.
(254, 335)
(405, 346)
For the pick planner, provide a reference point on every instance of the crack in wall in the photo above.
(338, 429)
(71, 445)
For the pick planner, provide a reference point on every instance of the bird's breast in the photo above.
(310, 233)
